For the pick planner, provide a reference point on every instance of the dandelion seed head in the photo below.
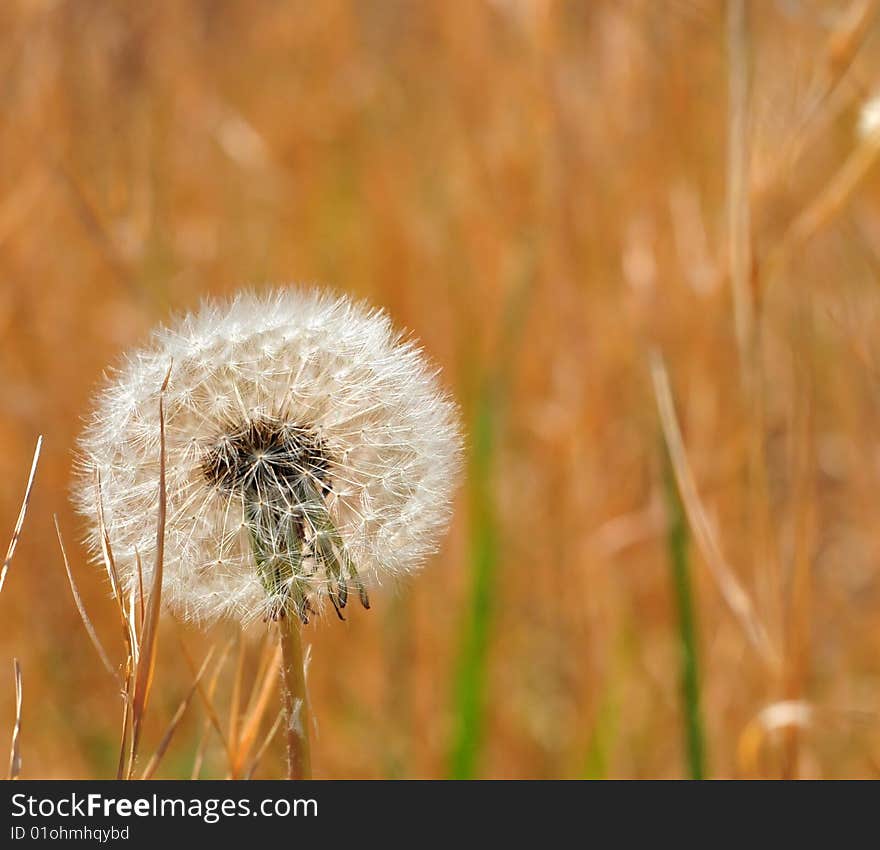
(309, 453)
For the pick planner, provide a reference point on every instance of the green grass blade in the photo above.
(473, 660)
(597, 761)
(488, 404)
(677, 540)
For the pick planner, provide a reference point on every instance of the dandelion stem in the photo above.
(296, 703)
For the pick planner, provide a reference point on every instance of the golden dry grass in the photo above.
(546, 193)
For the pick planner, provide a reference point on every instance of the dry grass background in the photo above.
(545, 192)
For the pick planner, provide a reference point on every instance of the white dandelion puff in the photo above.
(310, 452)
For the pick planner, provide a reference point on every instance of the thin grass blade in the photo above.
(264, 689)
(147, 647)
(90, 629)
(679, 559)
(207, 696)
(235, 707)
(19, 523)
(261, 750)
(729, 586)
(128, 638)
(15, 750)
(165, 742)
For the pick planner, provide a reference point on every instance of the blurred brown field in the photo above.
(548, 194)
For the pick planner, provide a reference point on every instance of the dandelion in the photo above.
(309, 454)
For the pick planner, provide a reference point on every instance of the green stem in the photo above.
(473, 663)
(677, 542)
(472, 670)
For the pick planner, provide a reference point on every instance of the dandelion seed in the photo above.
(309, 451)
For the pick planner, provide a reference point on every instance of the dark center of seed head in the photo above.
(275, 466)
(265, 457)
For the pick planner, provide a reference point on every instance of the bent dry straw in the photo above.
(309, 453)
